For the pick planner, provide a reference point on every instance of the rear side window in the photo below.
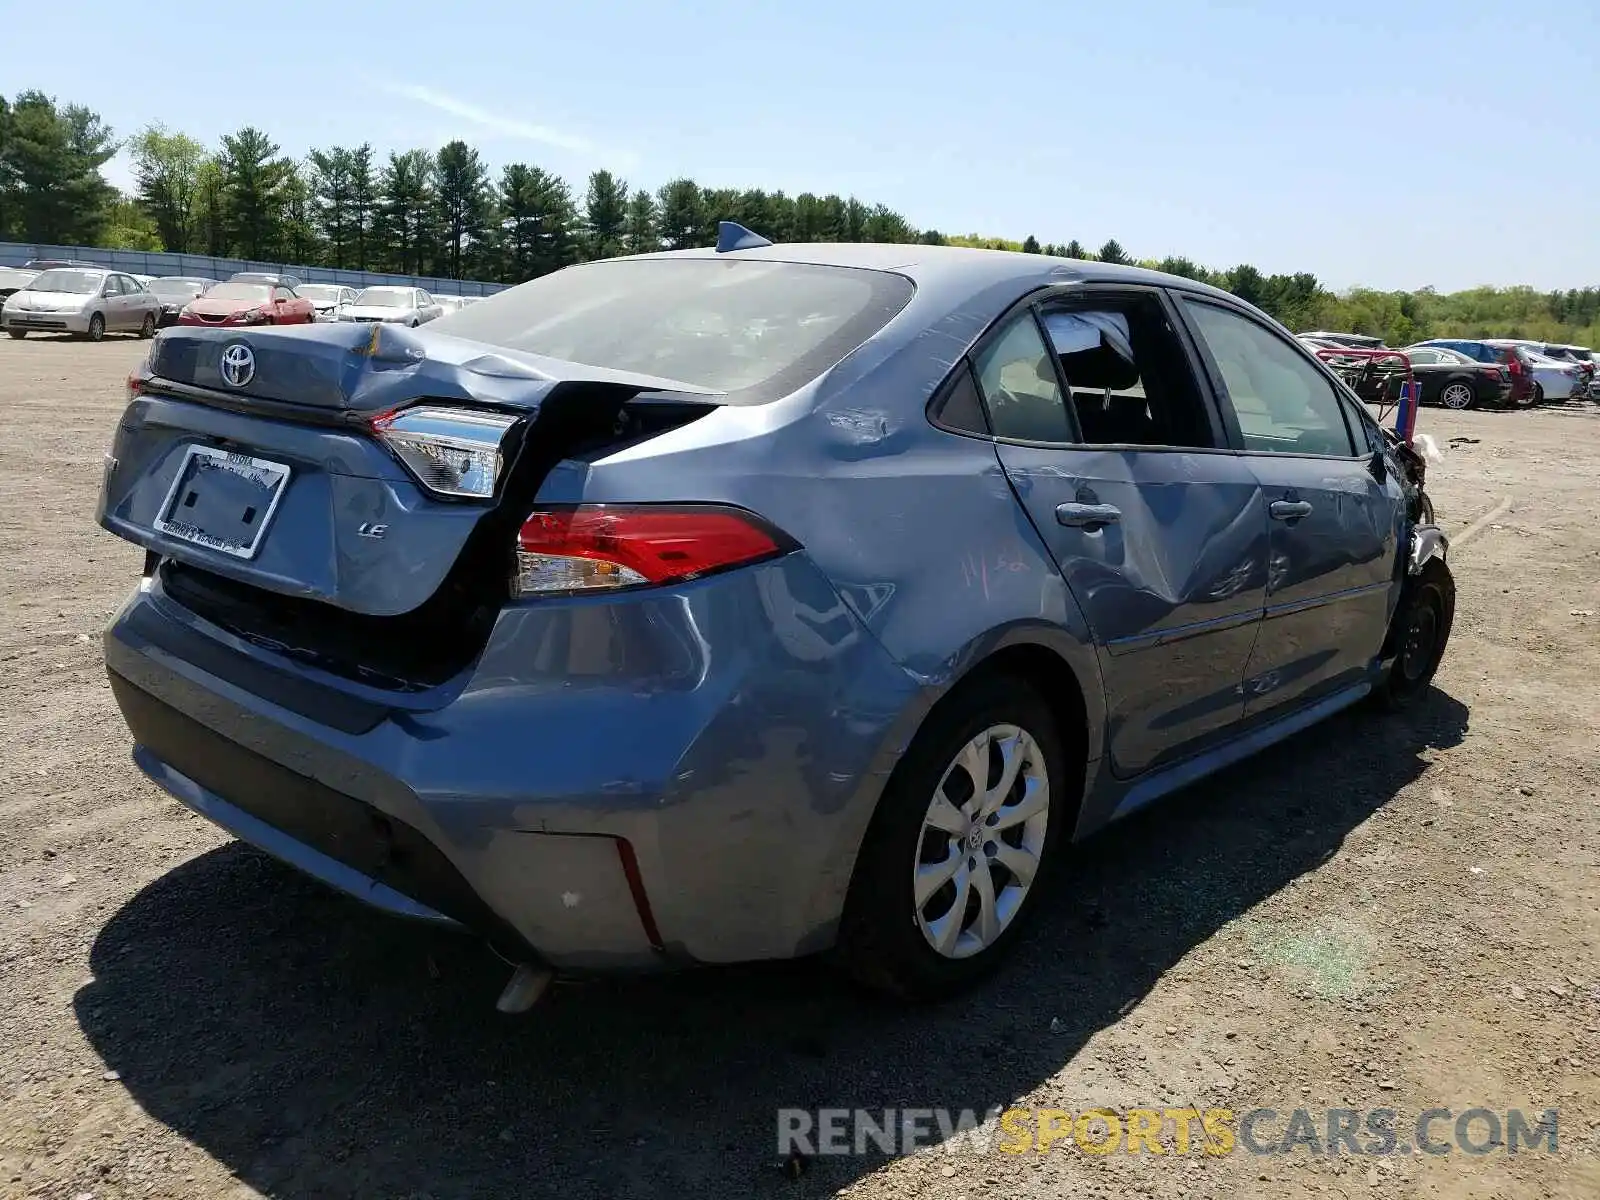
(1019, 385)
(750, 328)
(1283, 404)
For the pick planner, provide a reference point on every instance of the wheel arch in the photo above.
(1066, 674)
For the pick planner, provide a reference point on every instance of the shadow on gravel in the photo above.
(317, 1049)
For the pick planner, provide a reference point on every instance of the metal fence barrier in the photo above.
(150, 262)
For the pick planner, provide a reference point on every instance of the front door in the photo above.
(1335, 519)
(116, 303)
(1159, 532)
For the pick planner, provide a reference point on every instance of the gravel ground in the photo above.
(1396, 913)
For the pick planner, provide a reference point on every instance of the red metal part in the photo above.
(1405, 422)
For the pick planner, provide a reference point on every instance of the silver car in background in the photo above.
(330, 299)
(174, 291)
(1552, 378)
(393, 304)
(81, 300)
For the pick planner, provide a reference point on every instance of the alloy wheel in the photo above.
(1457, 396)
(982, 838)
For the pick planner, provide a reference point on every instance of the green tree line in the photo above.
(446, 213)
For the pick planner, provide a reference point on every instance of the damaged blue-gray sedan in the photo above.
(747, 603)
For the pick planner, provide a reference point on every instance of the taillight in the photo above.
(1514, 364)
(597, 547)
(451, 451)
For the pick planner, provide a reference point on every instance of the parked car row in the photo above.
(62, 296)
(1465, 372)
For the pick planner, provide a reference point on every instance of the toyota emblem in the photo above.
(238, 365)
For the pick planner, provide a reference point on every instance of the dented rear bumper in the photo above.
(659, 778)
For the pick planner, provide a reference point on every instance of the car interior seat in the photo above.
(1095, 375)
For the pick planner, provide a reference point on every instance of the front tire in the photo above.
(97, 328)
(19, 334)
(1418, 635)
(965, 838)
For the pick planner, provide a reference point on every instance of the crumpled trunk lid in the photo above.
(262, 441)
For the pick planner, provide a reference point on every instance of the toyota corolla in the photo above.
(740, 604)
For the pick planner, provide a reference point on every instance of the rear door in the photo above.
(1158, 528)
(1335, 521)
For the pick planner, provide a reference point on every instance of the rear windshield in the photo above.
(327, 292)
(750, 328)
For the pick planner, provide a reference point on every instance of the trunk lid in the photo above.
(250, 456)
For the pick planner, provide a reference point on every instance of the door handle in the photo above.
(1289, 510)
(1088, 516)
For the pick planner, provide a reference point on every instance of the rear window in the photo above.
(752, 329)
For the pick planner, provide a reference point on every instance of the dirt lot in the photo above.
(1380, 914)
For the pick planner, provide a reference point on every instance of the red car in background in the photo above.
(242, 302)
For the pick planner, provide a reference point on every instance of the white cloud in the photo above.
(484, 119)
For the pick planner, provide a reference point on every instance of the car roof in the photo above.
(952, 266)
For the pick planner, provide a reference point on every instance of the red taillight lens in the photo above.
(1514, 364)
(595, 547)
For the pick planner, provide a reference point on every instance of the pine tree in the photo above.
(405, 224)
(605, 208)
(461, 192)
(642, 235)
(254, 178)
(680, 214)
(1112, 252)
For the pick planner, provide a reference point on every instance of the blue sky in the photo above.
(1443, 142)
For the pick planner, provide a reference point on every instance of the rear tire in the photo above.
(1457, 395)
(979, 884)
(97, 328)
(148, 329)
(1538, 394)
(1418, 635)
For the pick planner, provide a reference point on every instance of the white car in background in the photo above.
(393, 305)
(329, 299)
(87, 301)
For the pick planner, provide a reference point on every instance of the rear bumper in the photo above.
(607, 790)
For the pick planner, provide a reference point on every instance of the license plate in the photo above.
(223, 501)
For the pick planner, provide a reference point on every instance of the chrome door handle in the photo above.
(1088, 516)
(1289, 510)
